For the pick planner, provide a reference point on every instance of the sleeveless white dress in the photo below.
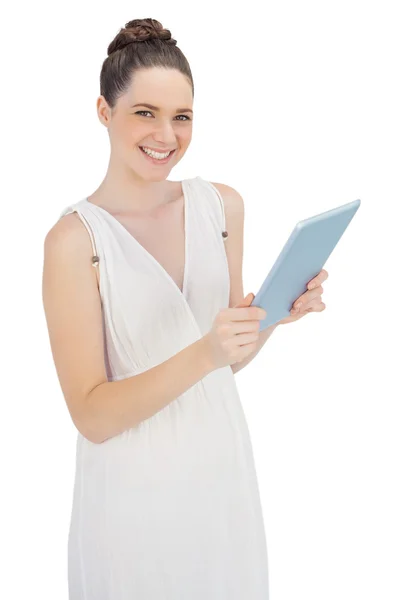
(169, 509)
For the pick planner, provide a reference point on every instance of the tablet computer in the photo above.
(301, 259)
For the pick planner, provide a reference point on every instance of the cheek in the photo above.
(124, 136)
(131, 134)
(136, 134)
(185, 137)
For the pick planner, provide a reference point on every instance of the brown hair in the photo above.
(141, 44)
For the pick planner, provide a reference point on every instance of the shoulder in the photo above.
(233, 201)
(68, 242)
(68, 231)
(67, 226)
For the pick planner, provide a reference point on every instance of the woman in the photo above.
(143, 292)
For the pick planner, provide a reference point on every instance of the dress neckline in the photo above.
(136, 242)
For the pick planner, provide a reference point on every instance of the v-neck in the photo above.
(146, 252)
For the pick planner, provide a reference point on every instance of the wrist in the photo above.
(205, 355)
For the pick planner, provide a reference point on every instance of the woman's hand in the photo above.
(310, 301)
(234, 334)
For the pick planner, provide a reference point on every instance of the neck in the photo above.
(124, 190)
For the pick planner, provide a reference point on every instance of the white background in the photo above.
(297, 107)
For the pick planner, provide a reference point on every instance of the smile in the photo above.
(156, 156)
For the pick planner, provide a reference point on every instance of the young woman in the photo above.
(143, 296)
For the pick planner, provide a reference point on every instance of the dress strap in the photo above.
(95, 257)
(224, 232)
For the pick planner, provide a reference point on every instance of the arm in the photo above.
(116, 406)
(99, 408)
(234, 216)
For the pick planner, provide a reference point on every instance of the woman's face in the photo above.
(167, 127)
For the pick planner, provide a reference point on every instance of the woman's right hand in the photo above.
(234, 333)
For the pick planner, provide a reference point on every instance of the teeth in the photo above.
(155, 154)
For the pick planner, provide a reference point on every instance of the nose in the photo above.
(165, 135)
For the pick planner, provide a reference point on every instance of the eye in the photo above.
(140, 112)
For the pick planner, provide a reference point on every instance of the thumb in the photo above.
(246, 301)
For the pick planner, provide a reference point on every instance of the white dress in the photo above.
(169, 509)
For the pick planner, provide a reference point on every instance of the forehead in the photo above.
(166, 88)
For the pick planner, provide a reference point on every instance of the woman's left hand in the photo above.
(308, 302)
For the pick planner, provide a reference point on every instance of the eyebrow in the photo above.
(156, 107)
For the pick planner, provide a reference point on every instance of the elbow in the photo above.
(88, 433)
(87, 423)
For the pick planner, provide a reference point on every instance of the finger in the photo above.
(307, 297)
(315, 307)
(320, 278)
(246, 301)
(318, 307)
(238, 314)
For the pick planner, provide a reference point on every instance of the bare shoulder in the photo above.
(69, 237)
(66, 230)
(234, 221)
(233, 201)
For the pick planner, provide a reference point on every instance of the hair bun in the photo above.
(140, 30)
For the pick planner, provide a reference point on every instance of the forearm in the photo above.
(116, 406)
(262, 338)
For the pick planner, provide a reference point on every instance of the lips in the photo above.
(157, 160)
(159, 151)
